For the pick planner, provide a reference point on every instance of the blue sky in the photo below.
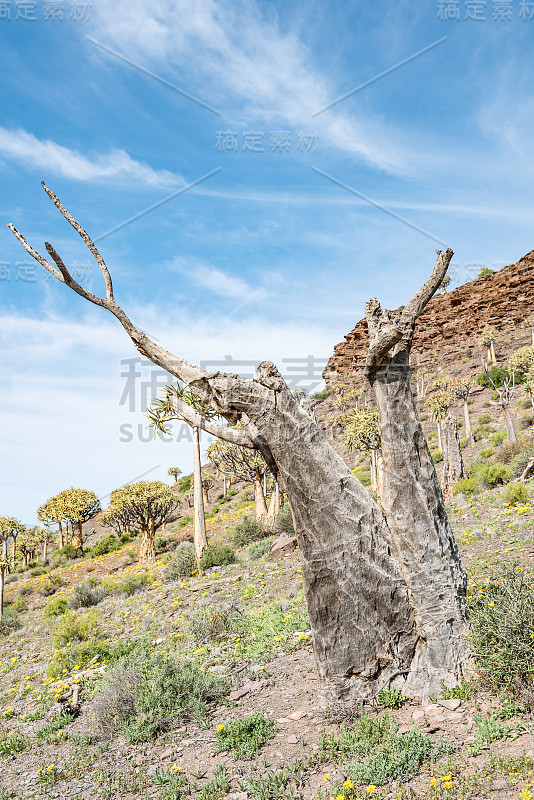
(267, 257)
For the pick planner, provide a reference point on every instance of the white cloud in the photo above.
(49, 156)
(218, 282)
(243, 63)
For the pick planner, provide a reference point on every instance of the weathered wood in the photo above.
(453, 463)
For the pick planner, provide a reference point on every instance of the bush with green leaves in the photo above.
(55, 607)
(509, 450)
(527, 419)
(487, 452)
(134, 583)
(462, 691)
(502, 631)
(87, 594)
(245, 532)
(437, 456)
(482, 432)
(256, 550)
(104, 546)
(183, 522)
(515, 494)
(50, 585)
(520, 461)
(181, 563)
(497, 374)
(10, 621)
(391, 698)
(284, 521)
(484, 419)
(382, 753)
(11, 744)
(77, 655)
(217, 555)
(149, 692)
(206, 624)
(73, 627)
(67, 553)
(244, 737)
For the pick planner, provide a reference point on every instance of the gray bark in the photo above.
(453, 463)
(199, 523)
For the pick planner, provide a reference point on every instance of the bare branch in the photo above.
(34, 254)
(418, 302)
(192, 417)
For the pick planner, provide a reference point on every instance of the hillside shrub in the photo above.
(284, 522)
(467, 486)
(484, 419)
(527, 419)
(134, 583)
(181, 563)
(482, 432)
(36, 571)
(67, 553)
(494, 474)
(507, 451)
(487, 452)
(10, 621)
(246, 531)
(217, 555)
(515, 494)
(55, 607)
(244, 737)
(184, 484)
(502, 623)
(87, 594)
(256, 550)
(149, 692)
(437, 456)
(322, 395)
(206, 624)
(183, 521)
(520, 461)
(498, 376)
(497, 438)
(74, 627)
(104, 546)
(50, 585)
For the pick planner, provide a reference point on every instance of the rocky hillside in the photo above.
(449, 329)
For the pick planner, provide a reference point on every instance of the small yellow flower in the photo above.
(326, 777)
(175, 767)
(371, 788)
(348, 784)
(220, 727)
(433, 782)
(340, 797)
(447, 784)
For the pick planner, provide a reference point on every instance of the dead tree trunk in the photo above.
(384, 588)
(453, 463)
(199, 523)
(260, 505)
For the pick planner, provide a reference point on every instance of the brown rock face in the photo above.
(452, 320)
(283, 546)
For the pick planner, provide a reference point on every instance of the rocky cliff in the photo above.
(452, 322)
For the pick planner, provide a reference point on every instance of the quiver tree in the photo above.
(438, 405)
(444, 284)
(487, 341)
(384, 586)
(521, 361)
(461, 388)
(49, 514)
(147, 505)
(6, 564)
(77, 506)
(29, 541)
(362, 432)
(529, 384)
(529, 325)
(505, 392)
(174, 471)
(117, 517)
(10, 528)
(208, 482)
(245, 465)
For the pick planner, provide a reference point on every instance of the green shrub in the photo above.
(515, 494)
(494, 474)
(244, 737)
(382, 753)
(87, 594)
(205, 624)
(12, 744)
(10, 621)
(246, 531)
(217, 555)
(520, 461)
(509, 450)
(484, 419)
(437, 456)
(66, 553)
(55, 607)
(107, 545)
(391, 698)
(501, 631)
(78, 655)
(527, 419)
(467, 486)
(525, 403)
(284, 522)
(482, 432)
(181, 563)
(50, 585)
(134, 583)
(148, 692)
(183, 521)
(48, 733)
(463, 443)
(256, 550)
(36, 571)
(184, 484)
(74, 627)
(497, 374)
(463, 691)
(20, 605)
(486, 453)
(322, 395)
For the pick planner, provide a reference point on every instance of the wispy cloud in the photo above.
(51, 157)
(218, 282)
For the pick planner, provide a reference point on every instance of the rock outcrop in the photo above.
(451, 322)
